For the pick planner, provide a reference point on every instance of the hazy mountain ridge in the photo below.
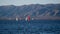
(34, 10)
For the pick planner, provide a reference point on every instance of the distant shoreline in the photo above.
(39, 18)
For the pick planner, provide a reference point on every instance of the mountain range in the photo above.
(38, 11)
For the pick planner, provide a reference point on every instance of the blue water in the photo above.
(31, 27)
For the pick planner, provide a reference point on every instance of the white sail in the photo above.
(26, 18)
(32, 18)
(16, 19)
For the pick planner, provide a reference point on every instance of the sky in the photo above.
(27, 2)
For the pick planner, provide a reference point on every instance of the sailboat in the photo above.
(16, 19)
(32, 19)
(27, 18)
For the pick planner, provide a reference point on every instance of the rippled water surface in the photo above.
(31, 27)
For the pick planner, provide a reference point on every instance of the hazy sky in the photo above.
(26, 2)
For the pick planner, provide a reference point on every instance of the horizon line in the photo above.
(28, 4)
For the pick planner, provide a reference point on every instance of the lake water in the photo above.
(31, 27)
